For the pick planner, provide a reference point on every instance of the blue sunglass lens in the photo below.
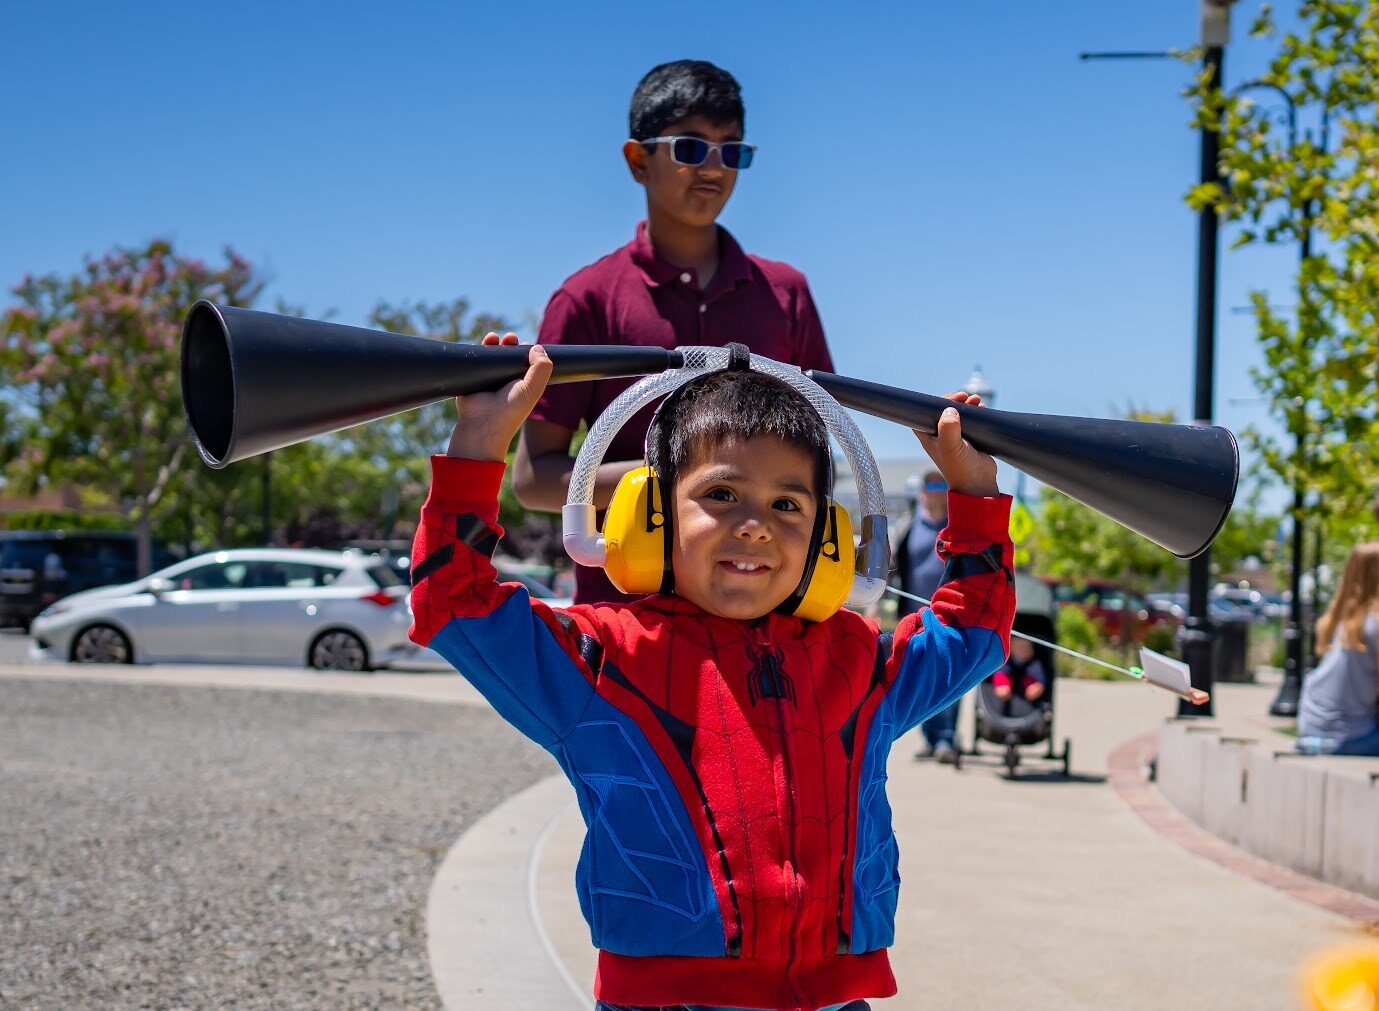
(689, 150)
(736, 155)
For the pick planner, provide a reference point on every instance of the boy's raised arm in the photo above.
(523, 656)
(964, 635)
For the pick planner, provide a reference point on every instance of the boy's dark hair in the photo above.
(674, 91)
(735, 404)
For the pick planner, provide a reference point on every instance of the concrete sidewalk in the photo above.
(1038, 893)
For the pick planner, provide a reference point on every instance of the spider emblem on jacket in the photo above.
(768, 679)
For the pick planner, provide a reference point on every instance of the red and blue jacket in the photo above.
(731, 775)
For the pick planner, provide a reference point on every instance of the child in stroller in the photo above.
(1020, 711)
(1022, 674)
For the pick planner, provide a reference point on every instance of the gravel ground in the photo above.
(203, 848)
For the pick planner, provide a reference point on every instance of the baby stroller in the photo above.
(1015, 722)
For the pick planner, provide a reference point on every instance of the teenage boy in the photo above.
(682, 280)
(729, 759)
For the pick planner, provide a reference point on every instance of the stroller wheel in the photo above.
(1067, 757)
(1012, 759)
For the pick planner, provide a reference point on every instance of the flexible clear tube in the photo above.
(698, 360)
(586, 547)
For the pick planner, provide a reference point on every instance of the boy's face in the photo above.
(744, 514)
(1021, 649)
(691, 195)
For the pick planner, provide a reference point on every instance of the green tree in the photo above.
(402, 445)
(1074, 543)
(1316, 189)
(363, 483)
(92, 360)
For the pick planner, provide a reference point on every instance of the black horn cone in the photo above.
(257, 381)
(1173, 484)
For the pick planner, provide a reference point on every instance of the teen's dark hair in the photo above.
(713, 408)
(674, 91)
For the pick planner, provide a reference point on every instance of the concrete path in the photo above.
(1039, 893)
(424, 686)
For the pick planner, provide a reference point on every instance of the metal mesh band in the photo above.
(699, 360)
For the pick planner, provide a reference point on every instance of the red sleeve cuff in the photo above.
(465, 486)
(977, 518)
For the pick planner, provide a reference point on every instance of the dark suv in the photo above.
(39, 566)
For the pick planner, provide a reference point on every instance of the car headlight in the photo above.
(53, 610)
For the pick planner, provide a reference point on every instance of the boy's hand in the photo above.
(488, 421)
(968, 471)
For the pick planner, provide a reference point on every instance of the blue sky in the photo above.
(958, 186)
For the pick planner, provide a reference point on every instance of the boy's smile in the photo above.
(743, 517)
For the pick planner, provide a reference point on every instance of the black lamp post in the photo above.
(1286, 702)
(1197, 635)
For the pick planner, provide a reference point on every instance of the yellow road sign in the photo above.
(1021, 523)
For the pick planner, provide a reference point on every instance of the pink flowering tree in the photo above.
(90, 369)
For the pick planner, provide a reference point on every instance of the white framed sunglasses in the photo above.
(732, 154)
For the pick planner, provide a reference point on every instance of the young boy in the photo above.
(682, 280)
(729, 759)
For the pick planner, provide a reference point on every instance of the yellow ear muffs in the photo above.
(636, 534)
(828, 580)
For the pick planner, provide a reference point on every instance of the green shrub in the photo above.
(60, 519)
(1077, 631)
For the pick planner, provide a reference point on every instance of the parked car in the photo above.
(1174, 605)
(509, 572)
(1256, 604)
(1105, 603)
(39, 567)
(1219, 607)
(331, 610)
(397, 554)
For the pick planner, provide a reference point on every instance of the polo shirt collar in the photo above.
(733, 265)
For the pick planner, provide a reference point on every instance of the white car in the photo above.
(508, 572)
(332, 610)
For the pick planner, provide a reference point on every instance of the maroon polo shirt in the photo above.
(632, 296)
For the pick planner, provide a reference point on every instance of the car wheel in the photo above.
(338, 650)
(101, 644)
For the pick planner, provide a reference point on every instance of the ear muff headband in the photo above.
(638, 576)
(865, 581)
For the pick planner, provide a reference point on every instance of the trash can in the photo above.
(1231, 660)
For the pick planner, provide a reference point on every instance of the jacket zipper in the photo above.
(791, 856)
